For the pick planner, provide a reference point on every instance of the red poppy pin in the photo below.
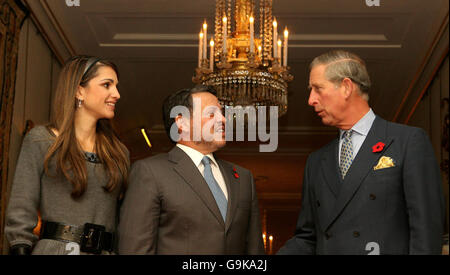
(378, 147)
(236, 175)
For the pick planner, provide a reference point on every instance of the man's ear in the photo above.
(182, 124)
(179, 122)
(348, 86)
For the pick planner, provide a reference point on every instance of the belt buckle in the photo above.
(91, 241)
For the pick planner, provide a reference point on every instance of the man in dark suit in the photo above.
(376, 189)
(188, 201)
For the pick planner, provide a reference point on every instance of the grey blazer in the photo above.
(33, 191)
(394, 210)
(169, 209)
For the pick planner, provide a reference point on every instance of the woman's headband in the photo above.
(89, 64)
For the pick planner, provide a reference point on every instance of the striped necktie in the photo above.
(346, 153)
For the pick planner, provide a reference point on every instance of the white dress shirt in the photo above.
(360, 131)
(197, 157)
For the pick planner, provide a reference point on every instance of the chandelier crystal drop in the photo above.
(245, 69)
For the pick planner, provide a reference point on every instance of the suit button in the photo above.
(318, 203)
(372, 197)
(327, 236)
(356, 234)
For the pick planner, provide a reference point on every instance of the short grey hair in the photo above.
(342, 64)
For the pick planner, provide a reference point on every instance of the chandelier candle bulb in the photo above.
(224, 30)
(286, 35)
(205, 40)
(200, 49)
(211, 55)
(270, 244)
(264, 240)
(275, 38)
(252, 34)
(279, 49)
(247, 69)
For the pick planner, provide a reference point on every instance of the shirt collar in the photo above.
(363, 126)
(195, 155)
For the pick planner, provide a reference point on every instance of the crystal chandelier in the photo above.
(245, 70)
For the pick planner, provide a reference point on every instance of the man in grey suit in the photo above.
(188, 201)
(376, 189)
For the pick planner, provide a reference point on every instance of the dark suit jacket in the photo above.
(400, 208)
(169, 209)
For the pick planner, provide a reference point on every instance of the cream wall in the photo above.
(37, 72)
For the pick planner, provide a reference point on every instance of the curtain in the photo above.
(12, 14)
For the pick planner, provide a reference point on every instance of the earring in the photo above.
(79, 103)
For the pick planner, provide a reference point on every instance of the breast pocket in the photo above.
(387, 172)
(386, 178)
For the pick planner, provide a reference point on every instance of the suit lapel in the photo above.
(363, 163)
(192, 176)
(330, 168)
(232, 184)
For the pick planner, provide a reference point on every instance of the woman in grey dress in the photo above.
(73, 170)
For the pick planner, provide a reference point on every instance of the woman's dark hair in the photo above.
(66, 150)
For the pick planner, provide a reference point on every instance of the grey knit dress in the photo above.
(33, 190)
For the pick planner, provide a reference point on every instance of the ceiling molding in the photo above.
(168, 15)
(338, 37)
(393, 46)
(119, 33)
(146, 45)
(52, 32)
(294, 37)
(152, 45)
(155, 36)
(281, 16)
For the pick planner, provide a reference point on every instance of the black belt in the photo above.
(92, 238)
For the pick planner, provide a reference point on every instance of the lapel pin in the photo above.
(378, 147)
(236, 175)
